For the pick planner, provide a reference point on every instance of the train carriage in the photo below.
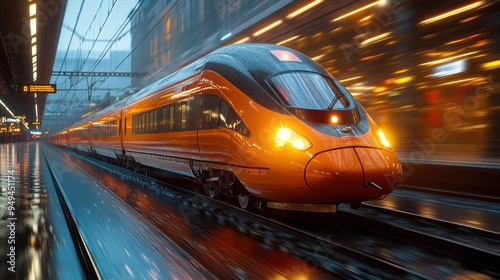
(260, 122)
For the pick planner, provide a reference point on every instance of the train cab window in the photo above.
(310, 90)
(229, 119)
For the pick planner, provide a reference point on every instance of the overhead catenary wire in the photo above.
(71, 38)
(117, 34)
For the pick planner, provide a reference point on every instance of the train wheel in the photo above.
(211, 189)
(245, 201)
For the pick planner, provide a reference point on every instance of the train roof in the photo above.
(246, 66)
(249, 67)
(262, 61)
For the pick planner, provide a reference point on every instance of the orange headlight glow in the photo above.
(383, 140)
(290, 136)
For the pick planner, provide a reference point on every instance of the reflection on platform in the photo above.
(35, 240)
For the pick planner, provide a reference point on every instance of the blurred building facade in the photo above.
(428, 72)
(78, 93)
(167, 35)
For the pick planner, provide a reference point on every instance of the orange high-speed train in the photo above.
(260, 122)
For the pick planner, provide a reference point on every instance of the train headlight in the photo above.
(383, 140)
(290, 136)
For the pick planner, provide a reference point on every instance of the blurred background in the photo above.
(427, 71)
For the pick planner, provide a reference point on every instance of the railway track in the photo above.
(356, 244)
(437, 245)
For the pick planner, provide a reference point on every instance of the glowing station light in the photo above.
(452, 13)
(359, 10)
(303, 9)
(34, 55)
(267, 28)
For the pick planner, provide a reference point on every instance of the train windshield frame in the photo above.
(310, 90)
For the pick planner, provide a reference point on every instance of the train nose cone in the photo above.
(353, 173)
(381, 168)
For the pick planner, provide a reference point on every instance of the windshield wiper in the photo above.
(335, 99)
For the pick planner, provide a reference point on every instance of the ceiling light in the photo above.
(267, 28)
(303, 9)
(33, 26)
(356, 11)
(32, 10)
(451, 13)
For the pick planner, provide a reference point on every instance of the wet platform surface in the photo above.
(35, 242)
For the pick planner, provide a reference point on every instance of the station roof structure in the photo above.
(29, 34)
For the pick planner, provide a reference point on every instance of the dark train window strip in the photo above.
(205, 111)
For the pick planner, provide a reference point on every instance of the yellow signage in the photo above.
(38, 88)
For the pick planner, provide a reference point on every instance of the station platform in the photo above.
(469, 172)
(452, 158)
(112, 240)
(39, 244)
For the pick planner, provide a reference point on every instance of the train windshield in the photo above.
(310, 90)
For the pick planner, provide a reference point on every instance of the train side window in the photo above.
(134, 125)
(171, 117)
(228, 118)
(125, 127)
(195, 112)
(224, 107)
(147, 122)
(152, 121)
(180, 116)
(140, 124)
(210, 111)
(237, 124)
(184, 120)
(113, 128)
(164, 118)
